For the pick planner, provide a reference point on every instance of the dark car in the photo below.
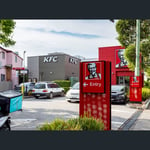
(119, 94)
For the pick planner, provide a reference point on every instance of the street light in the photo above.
(23, 73)
(137, 63)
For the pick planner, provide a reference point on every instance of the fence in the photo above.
(5, 85)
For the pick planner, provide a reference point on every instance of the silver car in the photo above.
(73, 94)
(48, 89)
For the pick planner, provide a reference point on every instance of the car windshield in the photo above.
(32, 84)
(75, 86)
(40, 86)
(117, 88)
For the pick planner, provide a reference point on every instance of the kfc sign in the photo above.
(120, 60)
(136, 81)
(95, 94)
(50, 59)
(73, 60)
(93, 77)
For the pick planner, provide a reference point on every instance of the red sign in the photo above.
(18, 68)
(136, 89)
(136, 94)
(136, 81)
(93, 100)
(93, 77)
(120, 59)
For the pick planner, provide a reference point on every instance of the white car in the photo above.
(28, 87)
(73, 94)
(48, 89)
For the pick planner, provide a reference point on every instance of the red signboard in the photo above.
(120, 59)
(136, 94)
(18, 68)
(95, 100)
(136, 89)
(136, 81)
(93, 77)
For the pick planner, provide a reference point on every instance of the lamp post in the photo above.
(137, 62)
(23, 73)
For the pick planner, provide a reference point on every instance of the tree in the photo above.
(127, 37)
(6, 30)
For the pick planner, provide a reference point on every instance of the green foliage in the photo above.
(145, 93)
(64, 84)
(130, 56)
(127, 37)
(147, 84)
(127, 31)
(6, 30)
(66, 89)
(81, 123)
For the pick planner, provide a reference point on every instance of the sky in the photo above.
(74, 37)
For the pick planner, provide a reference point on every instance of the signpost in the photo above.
(136, 81)
(95, 90)
(136, 89)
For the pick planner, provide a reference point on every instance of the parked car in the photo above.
(73, 94)
(119, 94)
(28, 87)
(48, 89)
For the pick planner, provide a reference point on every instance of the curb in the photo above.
(143, 105)
(147, 104)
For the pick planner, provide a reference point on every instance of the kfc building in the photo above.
(120, 73)
(54, 66)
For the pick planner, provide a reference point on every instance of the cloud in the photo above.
(74, 37)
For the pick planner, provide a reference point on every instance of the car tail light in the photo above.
(45, 90)
(33, 90)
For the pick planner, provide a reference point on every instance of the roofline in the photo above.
(10, 51)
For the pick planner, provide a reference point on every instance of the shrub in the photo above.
(81, 123)
(145, 93)
(64, 84)
(147, 84)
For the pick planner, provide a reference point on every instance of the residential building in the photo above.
(9, 60)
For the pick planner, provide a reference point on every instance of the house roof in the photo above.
(9, 51)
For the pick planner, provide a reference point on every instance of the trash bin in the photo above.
(10, 101)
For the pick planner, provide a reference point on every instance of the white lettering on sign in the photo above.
(95, 84)
(51, 59)
(84, 84)
(73, 60)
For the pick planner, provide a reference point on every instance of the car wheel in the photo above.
(36, 97)
(51, 95)
(62, 93)
(6, 127)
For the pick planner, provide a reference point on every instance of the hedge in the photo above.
(64, 84)
(145, 93)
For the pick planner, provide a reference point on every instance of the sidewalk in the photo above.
(143, 121)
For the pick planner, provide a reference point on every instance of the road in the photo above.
(38, 111)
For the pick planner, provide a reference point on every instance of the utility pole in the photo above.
(23, 73)
(137, 63)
